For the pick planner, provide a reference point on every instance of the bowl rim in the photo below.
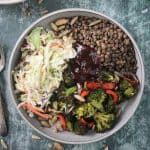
(77, 10)
(9, 2)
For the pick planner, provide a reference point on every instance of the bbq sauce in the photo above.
(86, 65)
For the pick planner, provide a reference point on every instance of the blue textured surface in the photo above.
(134, 15)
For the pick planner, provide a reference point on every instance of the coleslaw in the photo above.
(40, 72)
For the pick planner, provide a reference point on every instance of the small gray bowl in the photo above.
(128, 107)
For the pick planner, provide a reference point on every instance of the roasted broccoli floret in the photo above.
(104, 121)
(69, 125)
(67, 77)
(96, 98)
(86, 110)
(120, 96)
(129, 92)
(74, 124)
(109, 105)
(70, 91)
(124, 84)
(65, 95)
(79, 128)
(107, 77)
(126, 89)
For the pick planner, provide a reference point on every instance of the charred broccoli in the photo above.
(79, 128)
(73, 124)
(109, 105)
(104, 121)
(126, 89)
(97, 101)
(70, 91)
(129, 92)
(96, 98)
(67, 77)
(86, 110)
(107, 77)
(69, 125)
(120, 96)
(124, 84)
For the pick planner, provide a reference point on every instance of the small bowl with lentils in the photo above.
(76, 76)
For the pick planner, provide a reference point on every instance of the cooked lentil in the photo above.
(112, 44)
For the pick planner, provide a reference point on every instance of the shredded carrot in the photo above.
(84, 93)
(62, 121)
(57, 44)
(54, 44)
(35, 110)
(38, 109)
(21, 104)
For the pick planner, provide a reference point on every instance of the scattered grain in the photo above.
(106, 147)
(58, 146)
(94, 22)
(4, 145)
(74, 20)
(63, 33)
(40, 1)
(35, 137)
(79, 98)
(61, 27)
(61, 22)
(44, 11)
(54, 27)
(45, 124)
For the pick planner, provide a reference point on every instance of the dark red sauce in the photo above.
(86, 65)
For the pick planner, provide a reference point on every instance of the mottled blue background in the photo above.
(133, 15)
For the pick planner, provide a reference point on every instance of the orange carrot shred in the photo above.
(62, 121)
(34, 110)
(57, 44)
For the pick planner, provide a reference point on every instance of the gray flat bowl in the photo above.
(68, 137)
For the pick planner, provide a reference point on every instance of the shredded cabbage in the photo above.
(40, 72)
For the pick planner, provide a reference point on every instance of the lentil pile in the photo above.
(112, 44)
